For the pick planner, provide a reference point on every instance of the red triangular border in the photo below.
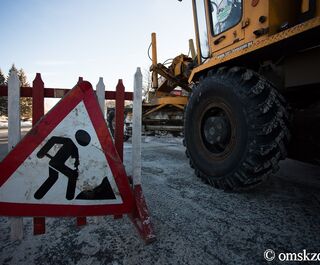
(82, 92)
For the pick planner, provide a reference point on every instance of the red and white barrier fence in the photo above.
(74, 122)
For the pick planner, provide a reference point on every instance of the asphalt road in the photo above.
(194, 223)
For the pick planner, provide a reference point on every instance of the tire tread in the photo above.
(268, 131)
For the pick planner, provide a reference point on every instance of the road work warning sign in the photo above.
(66, 165)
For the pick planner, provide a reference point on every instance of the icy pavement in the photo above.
(194, 223)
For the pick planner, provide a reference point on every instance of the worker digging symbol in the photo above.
(57, 165)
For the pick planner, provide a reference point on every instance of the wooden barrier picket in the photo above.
(118, 139)
(14, 135)
(100, 91)
(137, 128)
(140, 217)
(81, 220)
(39, 225)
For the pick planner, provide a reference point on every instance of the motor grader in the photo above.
(162, 114)
(254, 88)
(163, 105)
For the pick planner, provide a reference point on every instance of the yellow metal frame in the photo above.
(172, 100)
(154, 60)
(158, 103)
(250, 46)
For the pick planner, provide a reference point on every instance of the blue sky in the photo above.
(65, 39)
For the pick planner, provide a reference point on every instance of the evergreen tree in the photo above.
(3, 100)
(23, 78)
(13, 68)
(25, 103)
(2, 79)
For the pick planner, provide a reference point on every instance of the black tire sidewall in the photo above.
(210, 90)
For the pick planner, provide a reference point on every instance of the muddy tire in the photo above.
(236, 128)
(111, 122)
(111, 119)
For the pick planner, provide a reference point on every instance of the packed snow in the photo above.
(194, 223)
(4, 123)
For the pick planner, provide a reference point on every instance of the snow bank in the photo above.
(4, 123)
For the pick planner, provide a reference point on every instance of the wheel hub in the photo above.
(216, 130)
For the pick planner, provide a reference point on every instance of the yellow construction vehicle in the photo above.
(255, 95)
(164, 103)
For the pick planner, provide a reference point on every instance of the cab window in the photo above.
(202, 28)
(225, 14)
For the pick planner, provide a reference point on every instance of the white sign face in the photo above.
(69, 167)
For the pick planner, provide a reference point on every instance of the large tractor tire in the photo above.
(236, 128)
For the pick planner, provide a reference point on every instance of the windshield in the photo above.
(225, 14)
(202, 28)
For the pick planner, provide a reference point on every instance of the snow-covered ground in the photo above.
(194, 223)
(4, 123)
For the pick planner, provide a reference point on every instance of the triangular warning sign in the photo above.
(66, 165)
